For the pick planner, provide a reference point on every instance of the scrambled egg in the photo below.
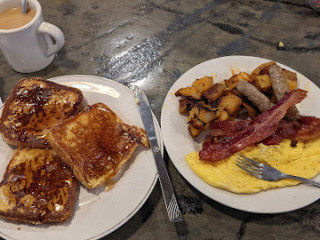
(302, 160)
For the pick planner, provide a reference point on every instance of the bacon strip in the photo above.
(262, 127)
(286, 129)
(310, 129)
(227, 128)
(304, 129)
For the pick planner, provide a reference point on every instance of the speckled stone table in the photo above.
(153, 42)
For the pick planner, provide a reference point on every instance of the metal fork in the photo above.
(266, 172)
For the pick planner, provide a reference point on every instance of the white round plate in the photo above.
(178, 142)
(97, 213)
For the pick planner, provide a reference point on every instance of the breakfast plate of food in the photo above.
(50, 129)
(251, 106)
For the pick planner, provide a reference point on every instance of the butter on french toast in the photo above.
(96, 143)
(37, 187)
(33, 107)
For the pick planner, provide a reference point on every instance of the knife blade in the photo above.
(169, 197)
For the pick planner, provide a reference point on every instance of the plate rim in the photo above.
(67, 78)
(199, 184)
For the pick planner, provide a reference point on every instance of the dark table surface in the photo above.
(152, 43)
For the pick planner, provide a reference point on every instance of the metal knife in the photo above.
(165, 183)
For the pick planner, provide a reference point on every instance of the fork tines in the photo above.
(250, 166)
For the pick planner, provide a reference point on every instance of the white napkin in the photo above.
(0, 102)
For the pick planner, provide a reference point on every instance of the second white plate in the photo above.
(178, 142)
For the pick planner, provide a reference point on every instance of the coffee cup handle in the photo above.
(49, 30)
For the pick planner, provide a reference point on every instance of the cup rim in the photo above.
(38, 9)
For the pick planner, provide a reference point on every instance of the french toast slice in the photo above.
(37, 188)
(33, 107)
(96, 143)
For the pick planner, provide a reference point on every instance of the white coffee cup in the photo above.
(31, 47)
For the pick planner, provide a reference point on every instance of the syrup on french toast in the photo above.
(33, 107)
(37, 188)
(96, 143)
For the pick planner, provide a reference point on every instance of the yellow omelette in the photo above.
(302, 160)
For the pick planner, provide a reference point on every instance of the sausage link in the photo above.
(280, 89)
(261, 101)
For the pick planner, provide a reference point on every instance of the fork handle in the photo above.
(305, 180)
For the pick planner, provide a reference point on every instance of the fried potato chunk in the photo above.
(223, 115)
(231, 104)
(262, 69)
(199, 117)
(291, 79)
(203, 84)
(214, 92)
(206, 116)
(263, 82)
(190, 92)
(250, 109)
(193, 131)
(185, 105)
(234, 80)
